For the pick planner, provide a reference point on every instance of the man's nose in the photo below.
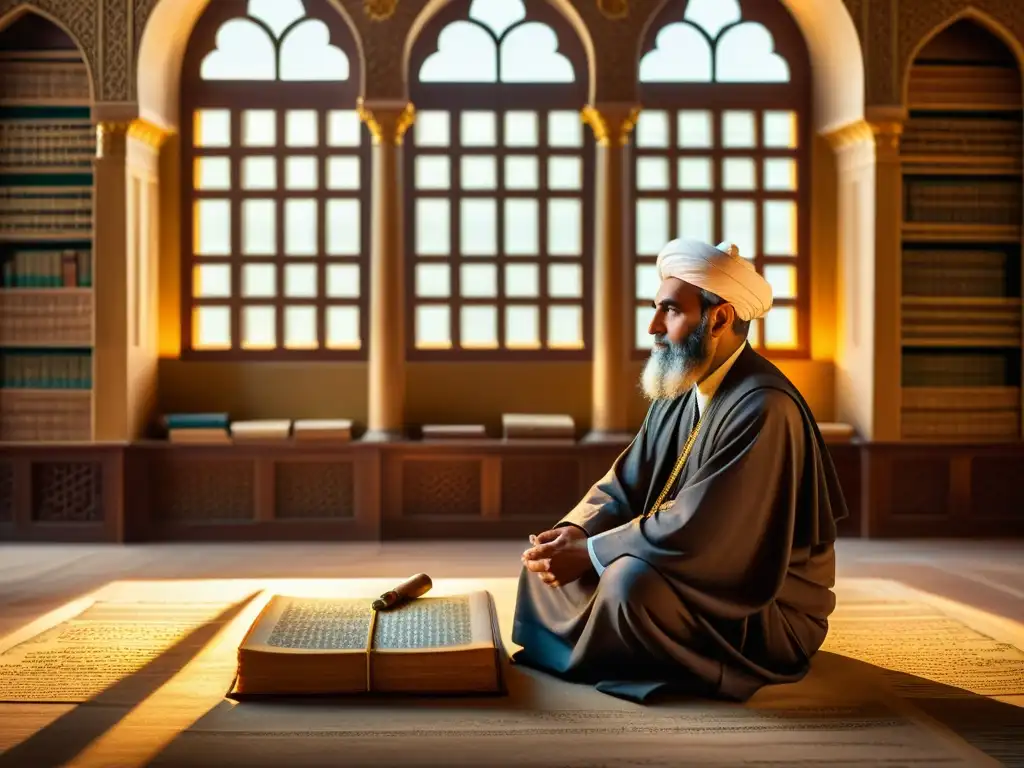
(656, 326)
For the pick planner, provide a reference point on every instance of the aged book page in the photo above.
(458, 621)
(320, 625)
(302, 625)
(78, 659)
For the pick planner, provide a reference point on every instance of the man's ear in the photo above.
(722, 319)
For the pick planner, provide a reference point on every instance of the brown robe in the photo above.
(730, 588)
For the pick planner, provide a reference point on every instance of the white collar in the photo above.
(707, 388)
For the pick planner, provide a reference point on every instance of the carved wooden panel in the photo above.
(996, 487)
(203, 491)
(439, 487)
(539, 487)
(921, 486)
(67, 492)
(315, 490)
(6, 492)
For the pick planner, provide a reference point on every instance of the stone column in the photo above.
(887, 128)
(868, 338)
(612, 323)
(387, 121)
(110, 289)
(142, 228)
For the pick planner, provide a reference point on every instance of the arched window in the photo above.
(722, 152)
(499, 185)
(275, 161)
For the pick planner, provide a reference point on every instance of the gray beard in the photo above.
(672, 371)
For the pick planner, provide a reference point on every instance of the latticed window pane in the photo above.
(211, 326)
(720, 152)
(343, 327)
(500, 170)
(278, 170)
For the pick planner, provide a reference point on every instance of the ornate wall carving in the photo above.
(883, 30)
(118, 46)
(383, 47)
(616, 49)
(110, 31)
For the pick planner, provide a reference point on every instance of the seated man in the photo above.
(703, 561)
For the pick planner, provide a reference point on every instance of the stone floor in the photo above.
(985, 576)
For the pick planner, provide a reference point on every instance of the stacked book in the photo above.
(331, 430)
(218, 428)
(46, 369)
(266, 430)
(48, 269)
(197, 428)
(530, 426)
(454, 432)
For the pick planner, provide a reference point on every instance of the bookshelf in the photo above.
(47, 146)
(961, 323)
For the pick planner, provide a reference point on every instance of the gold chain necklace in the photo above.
(680, 463)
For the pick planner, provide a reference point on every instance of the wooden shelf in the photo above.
(15, 102)
(54, 170)
(956, 398)
(47, 318)
(961, 322)
(45, 415)
(47, 237)
(964, 88)
(47, 392)
(992, 104)
(71, 345)
(939, 165)
(961, 413)
(931, 232)
(44, 292)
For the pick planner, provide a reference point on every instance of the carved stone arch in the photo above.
(73, 17)
(163, 36)
(984, 20)
(837, 58)
(565, 7)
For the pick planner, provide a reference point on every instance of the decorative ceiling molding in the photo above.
(614, 9)
(379, 10)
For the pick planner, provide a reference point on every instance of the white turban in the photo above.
(720, 270)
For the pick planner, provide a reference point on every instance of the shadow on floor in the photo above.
(63, 739)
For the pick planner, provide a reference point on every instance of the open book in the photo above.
(322, 645)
